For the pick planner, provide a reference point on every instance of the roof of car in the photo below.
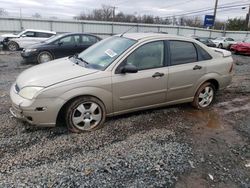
(143, 36)
(44, 31)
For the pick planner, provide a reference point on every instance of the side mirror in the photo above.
(23, 35)
(60, 43)
(129, 69)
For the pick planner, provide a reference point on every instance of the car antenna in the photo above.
(127, 31)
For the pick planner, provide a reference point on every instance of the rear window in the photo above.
(182, 52)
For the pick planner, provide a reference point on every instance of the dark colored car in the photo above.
(59, 46)
(241, 47)
(207, 41)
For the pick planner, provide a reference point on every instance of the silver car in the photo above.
(120, 74)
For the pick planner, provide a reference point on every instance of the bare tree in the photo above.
(3, 12)
(36, 15)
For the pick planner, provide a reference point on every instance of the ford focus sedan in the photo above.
(121, 74)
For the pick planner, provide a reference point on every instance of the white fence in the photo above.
(104, 29)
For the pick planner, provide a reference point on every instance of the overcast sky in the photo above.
(67, 9)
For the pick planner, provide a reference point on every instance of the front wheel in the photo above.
(13, 46)
(204, 96)
(85, 114)
(220, 46)
(44, 57)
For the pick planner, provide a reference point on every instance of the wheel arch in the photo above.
(61, 112)
(212, 80)
(46, 50)
(103, 95)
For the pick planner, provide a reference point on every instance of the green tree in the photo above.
(236, 24)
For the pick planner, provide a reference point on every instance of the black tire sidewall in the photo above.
(74, 104)
(14, 43)
(41, 53)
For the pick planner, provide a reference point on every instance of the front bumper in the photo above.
(29, 56)
(40, 112)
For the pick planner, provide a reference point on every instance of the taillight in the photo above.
(231, 68)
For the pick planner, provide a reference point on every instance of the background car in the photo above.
(27, 37)
(59, 46)
(206, 40)
(224, 42)
(241, 47)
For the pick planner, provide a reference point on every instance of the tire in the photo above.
(44, 57)
(220, 46)
(204, 96)
(12, 46)
(79, 116)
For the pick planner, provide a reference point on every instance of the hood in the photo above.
(9, 36)
(37, 45)
(51, 73)
(243, 44)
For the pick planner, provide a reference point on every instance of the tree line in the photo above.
(107, 13)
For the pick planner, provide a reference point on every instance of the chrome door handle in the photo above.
(157, 74)
(197, 67)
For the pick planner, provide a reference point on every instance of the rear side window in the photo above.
(43, 35)
(182, 52)
(88, 39)
(202, 54)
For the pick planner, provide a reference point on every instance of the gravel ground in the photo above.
(175, 146)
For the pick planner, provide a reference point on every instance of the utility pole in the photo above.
(21, 19)
(113, 16)
(215, 11)
(247, 19)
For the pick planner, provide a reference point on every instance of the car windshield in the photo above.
(53, 38)
(103, 53)
(19, 34)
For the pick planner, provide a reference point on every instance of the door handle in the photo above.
(197, 67)
(157, 74)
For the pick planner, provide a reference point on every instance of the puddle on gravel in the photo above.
(205, 118)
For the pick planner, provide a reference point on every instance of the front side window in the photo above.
(230, 39)
(148, 56)
(102, 54)
(182, 52)
(29, 34)
(69, 40)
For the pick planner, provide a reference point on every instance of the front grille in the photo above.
(17, 88)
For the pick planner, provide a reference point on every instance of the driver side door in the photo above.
(147, 87)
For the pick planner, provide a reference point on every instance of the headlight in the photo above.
(29, 92)
(30, 50)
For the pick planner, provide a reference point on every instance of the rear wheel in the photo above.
(13, 46)
(204, 96)
(85, 114)
(44, 57)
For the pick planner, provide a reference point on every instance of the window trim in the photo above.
(198, 47)
(118, 71)
(170, 59)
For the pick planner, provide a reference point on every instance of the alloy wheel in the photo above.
(206, 96)
(87, 116)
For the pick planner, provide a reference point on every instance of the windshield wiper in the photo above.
(77, 58)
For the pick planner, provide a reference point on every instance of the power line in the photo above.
(204, 10)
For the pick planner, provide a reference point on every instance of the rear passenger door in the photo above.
(187, 66)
